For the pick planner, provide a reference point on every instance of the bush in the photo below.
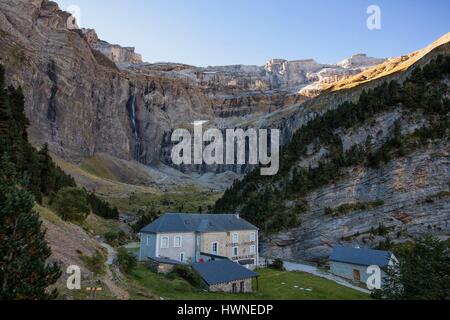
(71, 204)
(277, 264)
(112, 238)
(187, 274)
(127, 261)
(95, 263)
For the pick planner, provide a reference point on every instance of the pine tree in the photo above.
(24, 272)
(422, 273)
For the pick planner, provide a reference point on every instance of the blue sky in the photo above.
(222, 32)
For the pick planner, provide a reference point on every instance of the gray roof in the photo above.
(361, 256)
(163, 260)
(186, 222)
(221, 271)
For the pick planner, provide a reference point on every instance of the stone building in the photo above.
(226, 276)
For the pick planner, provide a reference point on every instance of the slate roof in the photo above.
(186, 222)
(165, 261)
(360, 256)
(222, 271)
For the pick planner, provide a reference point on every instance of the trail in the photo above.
(113, 274)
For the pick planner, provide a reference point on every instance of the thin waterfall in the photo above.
(131, 107)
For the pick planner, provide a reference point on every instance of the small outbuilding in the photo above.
(226, 276)
(352, 263)
(162, 265)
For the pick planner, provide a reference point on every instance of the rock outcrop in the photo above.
(415, 200)
(122, 56)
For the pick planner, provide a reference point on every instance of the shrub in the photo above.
(277, 264)
(112, 238)
(71, 204)
(187, 274)
(95, 263)
(127, 261)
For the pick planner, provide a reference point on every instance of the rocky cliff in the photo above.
(324, 195)
(85, 96)
(78, 100)
(415, 201)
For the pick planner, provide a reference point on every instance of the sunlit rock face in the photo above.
(122, 56)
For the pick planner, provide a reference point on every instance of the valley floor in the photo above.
(273, 285)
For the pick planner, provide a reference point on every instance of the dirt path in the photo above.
(113, 274)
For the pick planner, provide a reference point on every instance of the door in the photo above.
(242, 287)
(215, 248)
(357, 275)
(234, 288)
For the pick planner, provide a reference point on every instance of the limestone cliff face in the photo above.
(414, 190)
(122, 56)
(414, 204)
(85, 96)
(77, 100)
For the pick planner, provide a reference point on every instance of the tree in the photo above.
(126, 260)
(102, 208)
(147, 216)
(71, 204)
(24, 272)
(422, 273)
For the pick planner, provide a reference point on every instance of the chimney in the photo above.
(237, 215)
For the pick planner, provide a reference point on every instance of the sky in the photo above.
(224, 32)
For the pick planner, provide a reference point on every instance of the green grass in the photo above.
(185, 200)
(96, 166)
(276, 285)
(99, 226)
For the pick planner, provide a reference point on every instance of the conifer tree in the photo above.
(24, 272)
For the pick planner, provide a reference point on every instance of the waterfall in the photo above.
(133, 117)
(131, 107)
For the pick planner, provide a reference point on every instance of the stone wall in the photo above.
(159, 267)
(228, 286)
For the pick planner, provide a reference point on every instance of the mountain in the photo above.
(363, 166)
(85, 96)
(101, 108)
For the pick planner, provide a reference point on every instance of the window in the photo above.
(178, 242)
(253, 236)
(215, 248)
(164, 242)
(253, 249)
(235, 237)
(182, 257)
(235, 251)
(148, 240)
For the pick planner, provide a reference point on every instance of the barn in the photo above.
(352, 263)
